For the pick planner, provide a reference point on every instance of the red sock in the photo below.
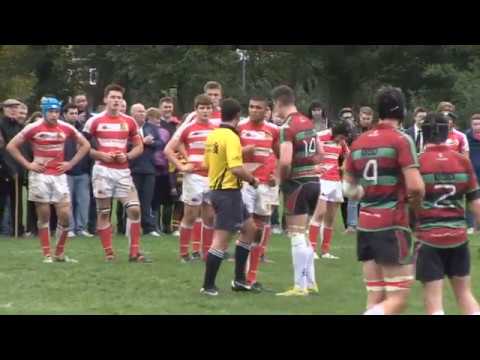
(106, 239)
(313, 233)
(255, 254)
(267, 235)
(185, 235)
(197, 236)
(62, 235)
(134, 238)
(327, 240)
(207, 240)
(44, 235)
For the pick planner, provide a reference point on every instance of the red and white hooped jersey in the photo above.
(194, 137)
(112, 134)
(331, 157)
(215, 119)
(48, 143)
(457, 141)
(263, 162)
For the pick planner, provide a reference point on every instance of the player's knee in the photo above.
(64, 219)
(133, 210)
(104, 214)
(398, 290)
(41, 224)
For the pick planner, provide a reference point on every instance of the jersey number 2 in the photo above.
(441, 202)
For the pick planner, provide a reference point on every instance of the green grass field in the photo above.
(27, 286)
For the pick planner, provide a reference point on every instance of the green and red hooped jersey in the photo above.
(300, 131)
(448, 177)
(376, 160)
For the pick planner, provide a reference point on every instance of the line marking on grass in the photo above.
(6, 306)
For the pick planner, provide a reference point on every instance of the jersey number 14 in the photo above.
(310, 147)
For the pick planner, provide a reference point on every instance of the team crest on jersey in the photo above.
(441, 157)
(46, 136)
(114, 127)
(261, 135)
(451, 142)
(373, 133)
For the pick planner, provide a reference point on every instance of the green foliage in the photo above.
(336, 75)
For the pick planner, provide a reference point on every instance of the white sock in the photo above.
(376, 310)
(300, 260)
(311, 267)
(438, 313)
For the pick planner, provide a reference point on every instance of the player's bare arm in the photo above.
(82, 151)
(286, 157)
(137, 150)
(173, 147)
(415, 187)
(14, 149)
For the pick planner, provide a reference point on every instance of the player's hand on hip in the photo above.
(255, 182)
(65, 166)
(36, 167)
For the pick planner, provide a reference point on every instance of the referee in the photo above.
(223, 159)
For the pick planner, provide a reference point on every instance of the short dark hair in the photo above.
(231, 110)
(284, 94)
(113, 87)
(68, 107)
(212, 85)
(80, 94)
(391, 103)
(419, 110)
(475, 116)
(166, 99)
(435, 128)
(367, 110)
(259, 98)
(202, 100)
(341, 128)
(315, 105)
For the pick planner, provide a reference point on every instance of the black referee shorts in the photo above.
(230, 210)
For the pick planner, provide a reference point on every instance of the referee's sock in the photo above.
(241, 256)
(214, 260)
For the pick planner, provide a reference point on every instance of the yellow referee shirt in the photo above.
(223, 152)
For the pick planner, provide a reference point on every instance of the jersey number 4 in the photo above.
(370, 173)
